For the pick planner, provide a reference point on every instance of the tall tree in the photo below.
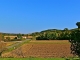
(65, 29)
(75, 40)
(78, 24)
(19, 36)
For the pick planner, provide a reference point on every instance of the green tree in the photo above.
(19, 36)
(75, 41)
(65, 29)
(78, 24)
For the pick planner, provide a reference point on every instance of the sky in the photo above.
(27, 16)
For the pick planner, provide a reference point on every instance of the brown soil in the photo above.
(41, 50)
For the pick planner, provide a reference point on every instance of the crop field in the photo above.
(50, 41)
(43, 49)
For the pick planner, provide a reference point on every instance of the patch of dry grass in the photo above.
(50, 41)
(9, 43)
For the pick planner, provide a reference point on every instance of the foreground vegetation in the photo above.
(39, 59)
(32, 59)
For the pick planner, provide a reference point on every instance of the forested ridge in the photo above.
(54, 34)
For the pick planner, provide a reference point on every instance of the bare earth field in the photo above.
(56, 48)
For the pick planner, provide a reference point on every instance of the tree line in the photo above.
(55, 34)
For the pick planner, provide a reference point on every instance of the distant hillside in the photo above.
(54, 34)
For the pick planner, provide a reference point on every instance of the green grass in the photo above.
(32, 59)
(39, 59)
(46, 43)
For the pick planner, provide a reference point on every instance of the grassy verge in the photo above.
(32, 59)
(39, 58)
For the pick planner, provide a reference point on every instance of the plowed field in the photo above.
(42, 50)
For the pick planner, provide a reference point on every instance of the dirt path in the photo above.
(16, 44)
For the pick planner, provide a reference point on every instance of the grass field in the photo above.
(39, 58)
(32, 59)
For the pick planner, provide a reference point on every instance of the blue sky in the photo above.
(27, 16)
